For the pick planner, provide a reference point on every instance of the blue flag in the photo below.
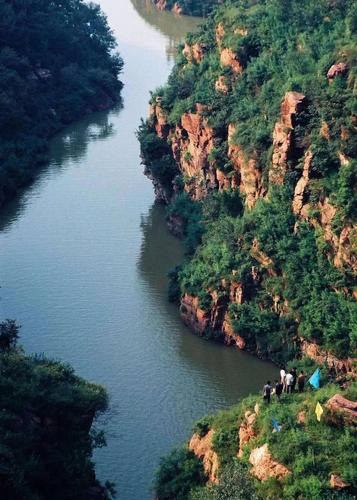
(315, 379)
(276, 425)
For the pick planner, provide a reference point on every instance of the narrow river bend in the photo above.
(84, 258)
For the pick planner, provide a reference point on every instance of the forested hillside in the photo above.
(56, 64)
(253, 144)
(46, 433)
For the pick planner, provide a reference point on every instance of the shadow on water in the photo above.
(70, 144)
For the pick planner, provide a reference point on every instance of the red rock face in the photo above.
(337, 483)
(298, 200)
(291, 106)
(194, 53)
(160, 118)
(246, 174)
(229, 58)
(192, 315)
(246, 431)
(203, 449)
(337, 69)
(219, 33)
(217, 316)
(221, 85)
(321, 356)
(192, 142)
(264, 466)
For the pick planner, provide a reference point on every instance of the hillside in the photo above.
(239, 454)
(47, 435)
(56, 65)
(252, 143)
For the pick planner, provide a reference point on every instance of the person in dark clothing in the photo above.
(278, 389)
(301, 381)
(267, 392)
(294, 374)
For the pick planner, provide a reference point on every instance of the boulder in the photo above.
(337, 483)
(343, 408)
(337, 69)
(264, 466)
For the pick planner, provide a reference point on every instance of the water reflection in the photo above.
(71, 145)
(231, 373)
(167, 23)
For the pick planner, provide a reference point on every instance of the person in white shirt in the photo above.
(283, 378)
(289, 382)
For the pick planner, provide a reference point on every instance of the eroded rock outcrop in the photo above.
(246, 173)
(283, 139)
(220, 32)
(192, 142)
(246, 430)
(337, 69)
(298, 200)
(230, 59)
(337, 483)
(264, 466)
(198, 319)
(221, 85)
(195, 52)
(343, 408)
(321, 356)
(202, 448)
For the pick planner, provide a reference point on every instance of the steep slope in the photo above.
(252, 143)
(243, 456)
(47, 435)
(56, 65)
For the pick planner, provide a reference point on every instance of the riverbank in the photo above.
(260, 212)
(45, 86)
(47, 426)
(282, 450)
(257, 168)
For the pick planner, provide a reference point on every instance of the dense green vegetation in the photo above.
(56, 64)
(311, 450)
(283, 46)
(177, 474)
(193, 7)
(46, 433)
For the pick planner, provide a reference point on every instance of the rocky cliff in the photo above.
(247, 454)
(280, 276)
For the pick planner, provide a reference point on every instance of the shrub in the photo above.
(178, 473)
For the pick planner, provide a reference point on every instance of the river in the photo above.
(84, 257)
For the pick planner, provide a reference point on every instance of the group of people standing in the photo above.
(287, 383)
